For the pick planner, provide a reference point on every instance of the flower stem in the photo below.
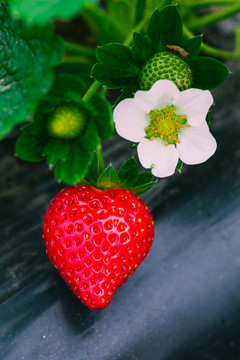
(214, 17)
(210, 50)
(206, 3)
(91, 91)
(80, 50)
(76, 60)
(100, 157)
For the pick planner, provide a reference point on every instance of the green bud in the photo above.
(67, 122)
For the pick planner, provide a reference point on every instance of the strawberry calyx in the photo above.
(128, 177)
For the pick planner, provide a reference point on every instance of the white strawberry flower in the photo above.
(168, 125)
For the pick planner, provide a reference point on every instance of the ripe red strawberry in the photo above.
(96, 239)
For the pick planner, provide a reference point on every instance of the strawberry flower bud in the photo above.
(168, 124)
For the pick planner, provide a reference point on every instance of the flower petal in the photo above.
(130, 119)
(194, 104)
(164, 158)
(196, 144)
(161, 93)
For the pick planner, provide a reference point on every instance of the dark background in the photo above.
(184, 300)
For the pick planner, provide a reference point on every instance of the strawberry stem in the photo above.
(100, 157)
(91, 91)
(214, 17)
(210, 50)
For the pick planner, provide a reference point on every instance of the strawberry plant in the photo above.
(97, 231)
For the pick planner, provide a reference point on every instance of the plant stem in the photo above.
(206, 3)
(91, 91)
(76, 60)
(80, 50)
(210, 50)
(214, 17)
(100, 157)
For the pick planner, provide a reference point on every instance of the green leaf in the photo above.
(117, 65)
(117, 56)
(128, 173)
(30, 147)
(103, 117)
(137, 190)
(208, 73)
(144, 178)
(108, 179)
(76, 165)
(68, 87)
(113, 78)
(208, 119)
(93, 171)
(36, 127)
(48, 104)
(192, 46)
(26, 60)
(142, 48)
(42, 12)
(179, 165)
(90, 138)
(128, 91)
(165, 28)
(56, 149)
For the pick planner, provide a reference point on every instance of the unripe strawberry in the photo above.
(96, 239)
(166, 65)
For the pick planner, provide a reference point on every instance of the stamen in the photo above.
(165, 124)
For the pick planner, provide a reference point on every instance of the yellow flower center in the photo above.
(165, 124)
(67, 122)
